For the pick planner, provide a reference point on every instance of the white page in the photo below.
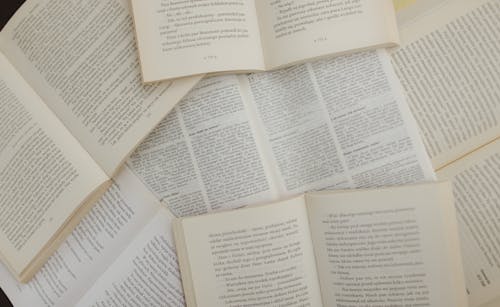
(447, 64)
(476, 180)
(387, 247)
(94, 244)
(338, 123)
(205, 155)
(148, 266)
(294, 142)
(84, 66)
(45, 174)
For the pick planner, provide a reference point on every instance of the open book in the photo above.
(179, 38)
(448, 64)
(106, 259)
(72, 108)
(388, 247)
(238, 140)
(121, 254)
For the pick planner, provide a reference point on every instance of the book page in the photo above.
(338, 123)
(204, 155)
(447, 65)
(45, 175)
(182, 38)
(237, 141)
(148, 265)
(94, 244)
(297, 30)
(84, 65)
(259, 256)
(494, 303)
(409, 10)
(388, 247)
(402, 4)
(476, 181)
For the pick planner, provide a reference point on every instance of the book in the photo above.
(72, 108)
(389, 247)
(476, 179)
(448, 64)
(121, 254)
(177, 39)
(105, 260)
(238, 140)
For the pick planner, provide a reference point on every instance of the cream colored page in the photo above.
(494, 303)
(97, 242)
(476, 180)
(298, 30)
(148, 263)
(44, 173)
(408, 10)
(249, 256)
(387, 247)
(85, 67)
(447, 65)
(182, 38)
(401, 4)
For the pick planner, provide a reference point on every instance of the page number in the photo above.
(210, 58)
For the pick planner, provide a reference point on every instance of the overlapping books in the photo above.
(73, 107)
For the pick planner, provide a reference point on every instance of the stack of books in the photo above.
(363, 144)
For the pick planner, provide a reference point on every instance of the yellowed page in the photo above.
(401, 4)
(248, 257)
(476, 180)
(85, 67)
(295, 31)
(388, 247)
(447, 65)
(45, 174)
(408, 10)
(179, 38)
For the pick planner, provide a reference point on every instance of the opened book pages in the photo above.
(448, 64)
(237, 140)
(72, 108)
(183, 38)
(123, 254)
(388, 247)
